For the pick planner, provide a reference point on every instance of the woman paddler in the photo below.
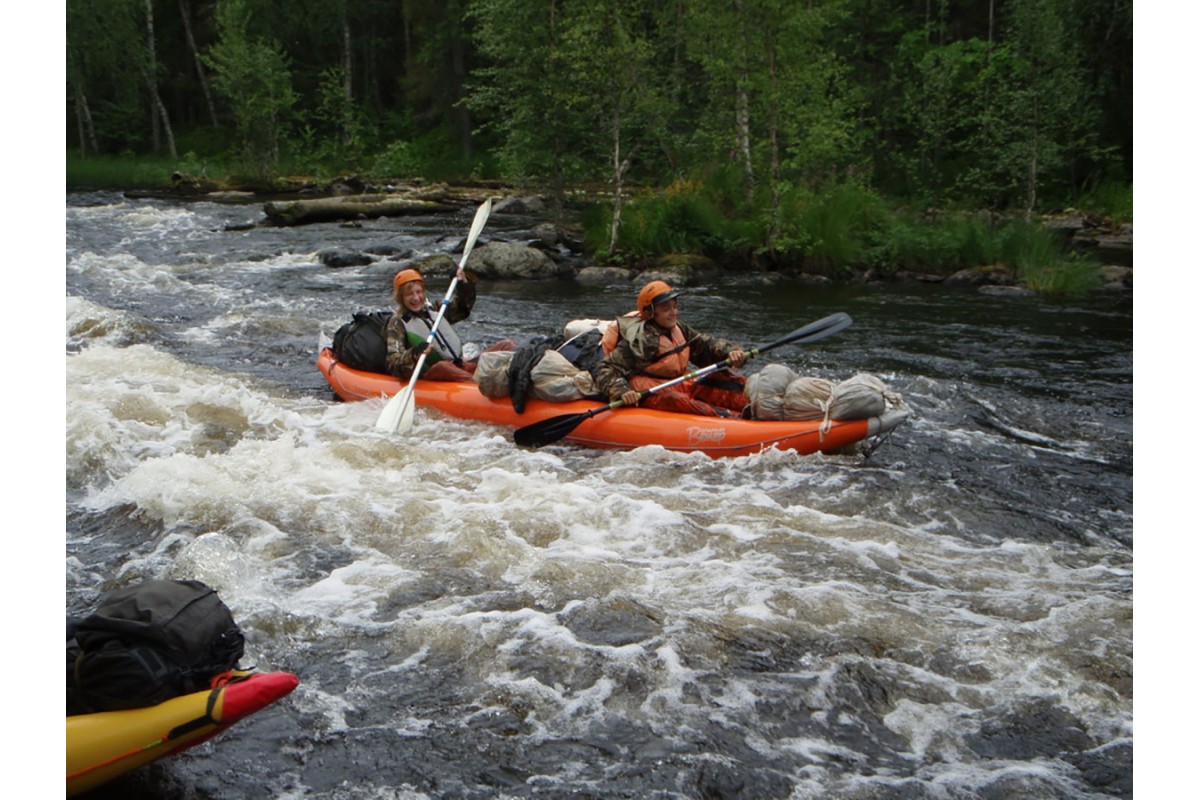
(408, 330)
(650, 346)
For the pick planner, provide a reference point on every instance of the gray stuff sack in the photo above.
(557, 380)
(491, 373)
(807, 398)
(766, 389)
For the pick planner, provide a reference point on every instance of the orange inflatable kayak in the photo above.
(624, 428)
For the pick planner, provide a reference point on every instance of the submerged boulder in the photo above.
(337, 257)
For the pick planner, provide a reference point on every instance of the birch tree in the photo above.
(612, 52)
(185, 13)
(149, 66)
(101, 34)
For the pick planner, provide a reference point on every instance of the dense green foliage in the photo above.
(787, 122)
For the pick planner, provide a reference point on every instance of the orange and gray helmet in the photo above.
(405, 276)
(652, 294)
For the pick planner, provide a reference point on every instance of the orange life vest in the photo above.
(673, 356)
(612, 333)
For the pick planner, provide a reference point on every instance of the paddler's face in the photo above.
(666, 314)
(412, 295)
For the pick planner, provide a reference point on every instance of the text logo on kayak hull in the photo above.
(698, 436)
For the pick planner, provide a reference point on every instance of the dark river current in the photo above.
(948, 618)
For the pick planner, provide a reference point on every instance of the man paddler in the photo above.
(650, 346)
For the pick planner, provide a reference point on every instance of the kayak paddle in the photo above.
(397, 415)
(551, 430)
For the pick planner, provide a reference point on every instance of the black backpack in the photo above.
(362, 342)
(584, 350)
(148, 643)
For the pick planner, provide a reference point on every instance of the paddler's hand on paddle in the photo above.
(737, 357)
(631, 397)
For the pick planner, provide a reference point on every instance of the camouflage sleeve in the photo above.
(463, 300)
(612, 375)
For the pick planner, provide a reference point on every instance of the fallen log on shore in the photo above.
(332, 209)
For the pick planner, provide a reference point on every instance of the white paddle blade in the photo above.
(481, 218)
(390, 418)
(407, 415)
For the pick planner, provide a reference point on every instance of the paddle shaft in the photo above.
(438, 319)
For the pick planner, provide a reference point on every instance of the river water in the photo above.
(948, 618)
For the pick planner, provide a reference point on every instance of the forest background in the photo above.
(833, 135)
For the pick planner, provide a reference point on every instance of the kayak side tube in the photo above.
(107, 744)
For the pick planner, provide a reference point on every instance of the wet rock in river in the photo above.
(1035, 730)
(501, 260)
(337, 257)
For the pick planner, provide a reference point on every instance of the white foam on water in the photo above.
(934, 732)
(312, 522)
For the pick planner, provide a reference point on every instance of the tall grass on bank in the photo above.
(679, 219)
(1109, 199)
(836, 232)
(939, 246)
(831, 230)
(119, 172)
(1042, 265)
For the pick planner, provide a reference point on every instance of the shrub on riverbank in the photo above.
(838, 231)
(1110, 199)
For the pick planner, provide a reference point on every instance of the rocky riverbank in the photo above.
(553, 250)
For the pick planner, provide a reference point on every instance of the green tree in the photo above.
(717, 40)
(253, 76)
(1041, 117)
(946, 105)
(530, 94)
(185, 15)
(112, 74)
(98, 36)
(777, 102)
(437, 65)
(148, 63)
(1062, 106)
(611, 52)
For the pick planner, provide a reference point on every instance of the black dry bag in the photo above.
(362, 342)
(148, 643)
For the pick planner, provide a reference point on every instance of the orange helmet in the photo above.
(652, 294)
(405, 276)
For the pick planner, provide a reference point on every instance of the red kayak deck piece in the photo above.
(623, 428)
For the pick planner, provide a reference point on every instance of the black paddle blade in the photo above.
(548, 431)
(812, 332)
